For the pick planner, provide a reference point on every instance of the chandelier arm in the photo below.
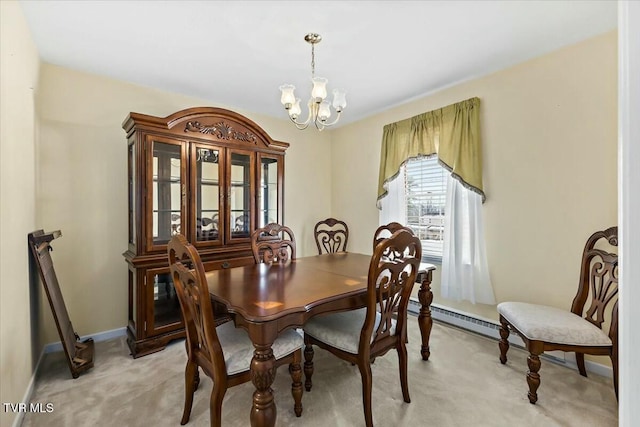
(300, 125)
(333, 122)
(312, 114)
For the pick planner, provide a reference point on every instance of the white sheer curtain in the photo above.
(393, 207)
(465, 271)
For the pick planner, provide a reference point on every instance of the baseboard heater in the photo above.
(463, 320)
(491, 329)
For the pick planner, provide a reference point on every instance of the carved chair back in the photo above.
(390, 282)
(331, 236)
(599, 282)
(384, 231)
(187, 271)
(273, 243)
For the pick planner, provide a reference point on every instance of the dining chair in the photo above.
(224, 352)
(544, 328)
(331, 236)
(359, 336)
(273, 243)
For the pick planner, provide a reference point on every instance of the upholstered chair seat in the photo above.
(238, 349)
(550, 324)
(342, 330)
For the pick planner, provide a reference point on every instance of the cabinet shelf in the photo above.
(172, 180)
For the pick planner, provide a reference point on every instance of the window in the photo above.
(425, 188)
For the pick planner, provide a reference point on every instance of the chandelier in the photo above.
(319, 109)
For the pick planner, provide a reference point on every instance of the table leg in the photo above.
(425, 296)
(263, 372)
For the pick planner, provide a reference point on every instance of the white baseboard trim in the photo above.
(490, 328)
(17, 421)
(100, 336)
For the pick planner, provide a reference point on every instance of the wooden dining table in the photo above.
(268, 299)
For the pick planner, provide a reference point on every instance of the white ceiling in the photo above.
(237, 54)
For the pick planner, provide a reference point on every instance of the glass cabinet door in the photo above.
(167, 185)
(206, 195)
(269, 181)
(239, 213)
(165, 314)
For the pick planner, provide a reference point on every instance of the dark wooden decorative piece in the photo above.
(390, 282)
(209, 174)
(273, 243)
(331, 236)
(79, 353)
(204, 348)
(221, 130)
(598, 285)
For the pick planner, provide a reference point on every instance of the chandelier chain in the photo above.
(313, 61)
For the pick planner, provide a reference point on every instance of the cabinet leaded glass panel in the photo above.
(166, 191)
(268, 209)
(240, 195)
(207, 194)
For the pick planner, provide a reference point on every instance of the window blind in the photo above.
(425, 189)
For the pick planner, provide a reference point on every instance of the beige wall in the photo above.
(18, 81)
(83, 172)
(549, 130)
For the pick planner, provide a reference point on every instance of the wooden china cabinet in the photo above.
(210, 174)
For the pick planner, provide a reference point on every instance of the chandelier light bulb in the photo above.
(287, 97)
(295, 110)
(319, 91)
(339, 100)
(324, 112)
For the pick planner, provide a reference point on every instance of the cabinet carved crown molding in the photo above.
(221, 130)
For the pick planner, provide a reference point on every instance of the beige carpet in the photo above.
(463, 384)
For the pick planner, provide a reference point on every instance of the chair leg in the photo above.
(533, 378)
(190, 374)
(504, 340)
(296, 386)
(402, 359)
(365, 373)
(580, 363)
(215, 405)
(308, 365)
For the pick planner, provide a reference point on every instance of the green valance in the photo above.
(451, 132)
